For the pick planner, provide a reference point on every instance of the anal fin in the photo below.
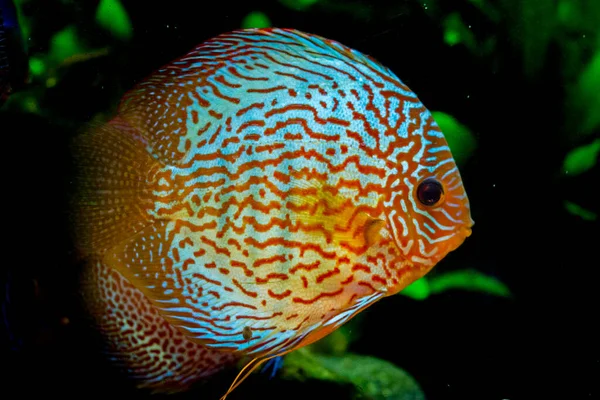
(139, 341)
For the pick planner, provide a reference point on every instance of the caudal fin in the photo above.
(113, 197)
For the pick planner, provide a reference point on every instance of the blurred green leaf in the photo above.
(112, 16)
(488, 9)
(578, 15)
(372, 378)
(37, 66)
(580, 211)
(303, 364)
(538, 22)
(66, 48)
(460, 139)
(299, 5)
(256, 19)
(336, 343)
(337, 8)
(418, 290)
(24, 101)
(471, 280)
(532, 26)
(579, 47)
(587, 95)
(24, 21)
(568, 13)
(582, 158)
(455, 32)
(65, 44)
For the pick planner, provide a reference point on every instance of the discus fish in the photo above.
(266, 187)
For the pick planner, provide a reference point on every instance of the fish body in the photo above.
(266, 187)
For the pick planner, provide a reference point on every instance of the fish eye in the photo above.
(430, 192)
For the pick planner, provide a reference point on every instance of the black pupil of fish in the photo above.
(430, 192)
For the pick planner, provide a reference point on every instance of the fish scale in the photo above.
(277, 173)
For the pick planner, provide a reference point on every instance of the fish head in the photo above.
(429, 210)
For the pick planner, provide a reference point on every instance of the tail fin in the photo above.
(113, 197)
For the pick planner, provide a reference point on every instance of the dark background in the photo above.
(543, 341)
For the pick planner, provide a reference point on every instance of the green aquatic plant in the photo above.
(37, 66)
(299, 5)
(256, 19)
(65, 44)
(468, 280)
(371, 378)
(584, 100)
(580, 212)
(455, 32)
(460, 139)
(112, 16)
(418, 290)
(582, 158)
(533, 27)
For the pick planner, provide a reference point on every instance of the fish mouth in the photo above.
(459, 237)
(466, 231)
